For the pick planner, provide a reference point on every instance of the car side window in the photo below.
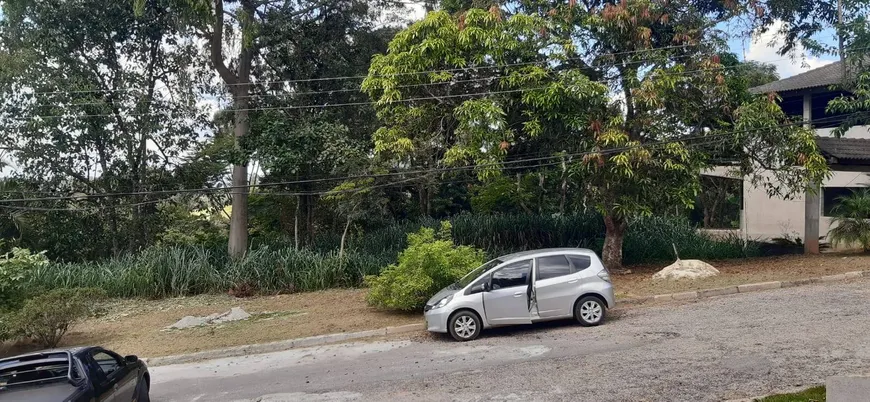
(580, 262)
(106, 363)
(553, 266)
(512, 275)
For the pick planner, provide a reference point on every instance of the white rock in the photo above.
(235, 314)
(687, 269)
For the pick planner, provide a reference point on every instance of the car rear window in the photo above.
(553, 266)
(580, 262)
(34, 370)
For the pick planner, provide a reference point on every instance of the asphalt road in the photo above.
(716, 349)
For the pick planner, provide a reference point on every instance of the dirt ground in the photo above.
(738, 272)
(137, 326)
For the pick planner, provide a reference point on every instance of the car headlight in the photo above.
(443, 302)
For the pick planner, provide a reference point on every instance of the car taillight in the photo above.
(604, 275)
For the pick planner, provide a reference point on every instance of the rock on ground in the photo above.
(687, 269)
(235, 314)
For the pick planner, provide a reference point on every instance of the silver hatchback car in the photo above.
(524, 288)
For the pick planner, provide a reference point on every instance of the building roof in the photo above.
(824, 76)
(855, 151)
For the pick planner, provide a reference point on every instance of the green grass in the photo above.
(816, 394)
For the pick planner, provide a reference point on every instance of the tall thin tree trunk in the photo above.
(296, 222)
(564, 188)
(611, 255)
(343, 239)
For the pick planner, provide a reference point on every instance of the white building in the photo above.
(807, 216)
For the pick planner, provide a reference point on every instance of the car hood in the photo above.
(442, 294)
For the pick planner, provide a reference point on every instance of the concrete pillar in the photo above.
(808, 110)
(813, 207)
(812, 198)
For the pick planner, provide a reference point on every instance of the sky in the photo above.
(763, 47)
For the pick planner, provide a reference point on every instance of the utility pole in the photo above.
(840, 37)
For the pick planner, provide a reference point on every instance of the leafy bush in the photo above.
(16, 268)
(430, 263)
(46, 318)
(851, 223)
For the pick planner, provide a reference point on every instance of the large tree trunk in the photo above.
(239, 220)
(611, 255)
(240, 87)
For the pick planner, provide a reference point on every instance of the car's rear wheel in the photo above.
(465, 326)
(590, 311)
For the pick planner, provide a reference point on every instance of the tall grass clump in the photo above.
(653, 239)
(181, 271)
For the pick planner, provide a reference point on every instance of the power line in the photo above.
(345, 191)
(502, 165)
(327, 105)
(357, 90)
(357, 77)
(326, 91)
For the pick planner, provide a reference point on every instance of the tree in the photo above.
(355, 199)
(251, 28)
(98, 101)
(851, 223)
(628, 89)
(292, 142)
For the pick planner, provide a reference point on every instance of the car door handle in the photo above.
(574, 281)
(518, 294)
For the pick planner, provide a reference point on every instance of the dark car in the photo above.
(73, 375)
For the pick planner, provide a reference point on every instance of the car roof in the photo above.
(45, 354)
(545, 252)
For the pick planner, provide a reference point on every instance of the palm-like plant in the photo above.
(851, 223)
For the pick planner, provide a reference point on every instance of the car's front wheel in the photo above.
(465, 326)
(142, 395)
(590, 311)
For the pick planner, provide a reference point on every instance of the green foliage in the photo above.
(186, 228)
(276, 267)
(47, 317)
(430, 263)
(786, 158)
(856, 106)
(815, 394)
(515, 80)
(159, 272)
(16, 269)
(851, 222)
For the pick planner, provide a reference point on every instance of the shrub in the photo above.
(16, 268)
(47, 317)
(430, 263)
(851, 223)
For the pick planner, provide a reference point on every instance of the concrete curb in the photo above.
(281, 345)
(749, 287)
(343, 337)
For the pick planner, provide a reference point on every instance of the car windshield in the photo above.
(467, 279)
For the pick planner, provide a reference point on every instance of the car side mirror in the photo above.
(479, 288)
(131, 359)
